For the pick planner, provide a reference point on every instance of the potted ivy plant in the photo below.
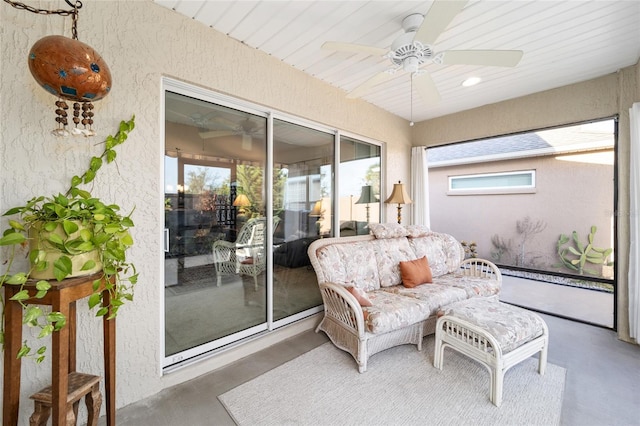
(70, 234)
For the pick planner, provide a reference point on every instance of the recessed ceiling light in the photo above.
(471, 81)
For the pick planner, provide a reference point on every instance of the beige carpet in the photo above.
(401, 387)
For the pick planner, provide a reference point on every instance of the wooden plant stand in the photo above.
(62, 298)
(80, 385)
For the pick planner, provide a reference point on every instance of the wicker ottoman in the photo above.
(493, 333)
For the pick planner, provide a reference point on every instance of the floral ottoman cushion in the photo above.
(510, 325)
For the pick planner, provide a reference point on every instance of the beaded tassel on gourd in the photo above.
(61, 118)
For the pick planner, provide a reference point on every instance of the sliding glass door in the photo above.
(246, 191)
(359, 186)
(215, 223)
(302, 201)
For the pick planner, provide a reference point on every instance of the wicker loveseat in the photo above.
(351, 269)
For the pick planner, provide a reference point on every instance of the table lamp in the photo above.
(399, 196)
(317, 212)
(367, 196)
(241, 201)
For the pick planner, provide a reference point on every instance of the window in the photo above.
(488, 183)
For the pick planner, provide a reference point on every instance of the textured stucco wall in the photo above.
(602, 97)
(583, 205)
(142, 42)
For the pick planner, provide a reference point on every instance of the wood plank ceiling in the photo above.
(564, 42)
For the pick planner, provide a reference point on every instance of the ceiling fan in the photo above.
(414, 48)
(245, 128)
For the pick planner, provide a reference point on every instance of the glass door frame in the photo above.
(208, 349)
(195, 353)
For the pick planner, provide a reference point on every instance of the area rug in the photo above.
(400, 387)
(195, 279)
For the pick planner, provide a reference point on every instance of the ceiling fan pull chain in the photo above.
(411, 78)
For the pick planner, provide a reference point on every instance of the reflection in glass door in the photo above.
(302, 202)
(215, 225)
(237, 228)
(359, 187)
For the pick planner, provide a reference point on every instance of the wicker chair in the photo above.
(245, 256)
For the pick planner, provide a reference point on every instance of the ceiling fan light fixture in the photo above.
(411, 64)
(471, 81)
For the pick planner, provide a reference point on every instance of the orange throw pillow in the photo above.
(415, 272)
(360, 296)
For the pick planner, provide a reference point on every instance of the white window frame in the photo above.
(177, 361)
(489, 190)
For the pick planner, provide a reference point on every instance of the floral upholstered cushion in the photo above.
(388, 255)
(510, 325)
(415, 231)
(352, 264)
(392, 312)
(434, 296)
(473, 286)
(431, 247)
(453, 252)
(443, 251)
(388, 230)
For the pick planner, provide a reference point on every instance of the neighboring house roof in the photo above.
(485, 147)
(546, 142)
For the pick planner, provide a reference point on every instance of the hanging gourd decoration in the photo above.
(73, 71)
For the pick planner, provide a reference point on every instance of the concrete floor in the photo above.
(602, 384)
(591, 306)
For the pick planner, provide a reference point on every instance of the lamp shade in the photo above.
(367, 196)
(241, 201)
(399, 195)
(317, 209)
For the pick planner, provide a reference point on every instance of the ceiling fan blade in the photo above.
(184, 117)
(496, 58)
(225, 122)
(216, 134)
(438, 19)
(373, 81)
(426, 87)
(355, 48)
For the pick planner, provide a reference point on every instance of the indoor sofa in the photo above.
(368, 307)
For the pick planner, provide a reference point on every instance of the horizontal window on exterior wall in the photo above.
(519, 182)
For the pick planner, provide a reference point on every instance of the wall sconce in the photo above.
(367, 196)
(241, 201)
(399, 196)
